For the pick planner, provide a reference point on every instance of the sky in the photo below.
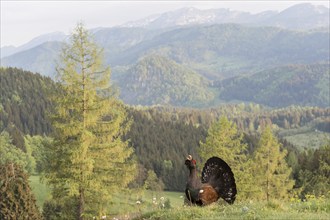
(23, 20)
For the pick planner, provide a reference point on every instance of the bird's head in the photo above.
(190, 162)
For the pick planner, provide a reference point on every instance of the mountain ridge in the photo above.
(54, 36)
(317, 16)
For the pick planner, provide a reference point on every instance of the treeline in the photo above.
(248, 117)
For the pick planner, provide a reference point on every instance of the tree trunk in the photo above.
(81, 204)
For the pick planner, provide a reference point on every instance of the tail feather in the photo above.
(218, 174)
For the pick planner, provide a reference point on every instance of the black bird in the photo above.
(217, 181)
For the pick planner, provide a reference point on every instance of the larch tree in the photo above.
(272, 175)
(88, 161)
(223, 140)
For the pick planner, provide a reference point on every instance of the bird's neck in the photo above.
(193, 178)
(193, 173)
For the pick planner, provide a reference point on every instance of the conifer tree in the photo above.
(223, 140)
(271, 172)
(16, 198)
(88, 161)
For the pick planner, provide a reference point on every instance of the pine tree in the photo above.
(271, 172)
(224, 140)
(152, 182)
(16, 199)
(89, 162)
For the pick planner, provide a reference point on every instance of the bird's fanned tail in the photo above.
(218, 174)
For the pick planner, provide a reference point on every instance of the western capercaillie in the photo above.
(217, 181)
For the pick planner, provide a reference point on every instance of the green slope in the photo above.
(306, 85)
(158, 80)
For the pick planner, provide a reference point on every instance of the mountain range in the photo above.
(192, 57)
(300, 16)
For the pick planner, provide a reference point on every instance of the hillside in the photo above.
(24, 103)
(306, 85)
(158, 80)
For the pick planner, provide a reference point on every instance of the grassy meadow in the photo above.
(142, 204)
(40, 190)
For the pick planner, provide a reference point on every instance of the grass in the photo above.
(138, 205)
(135, 203)
(40, 190)
(243, 210)
(313, 208)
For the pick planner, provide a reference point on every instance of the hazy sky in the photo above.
(23, 20)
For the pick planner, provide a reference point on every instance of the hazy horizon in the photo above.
(21, 21)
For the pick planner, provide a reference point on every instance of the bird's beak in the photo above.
(189, 157)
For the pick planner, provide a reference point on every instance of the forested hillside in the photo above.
(24, 103)
(158, 80)
(306, 85)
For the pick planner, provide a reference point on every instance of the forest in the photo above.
(87, 145)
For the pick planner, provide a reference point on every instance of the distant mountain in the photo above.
(216, 51)
(300, 16)
(157, 80)
(306, 85)
(119, 39)
(226, 50)
(55, 36)
(41, 59)
(191, 16)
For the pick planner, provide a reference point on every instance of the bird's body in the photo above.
(217, 181)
